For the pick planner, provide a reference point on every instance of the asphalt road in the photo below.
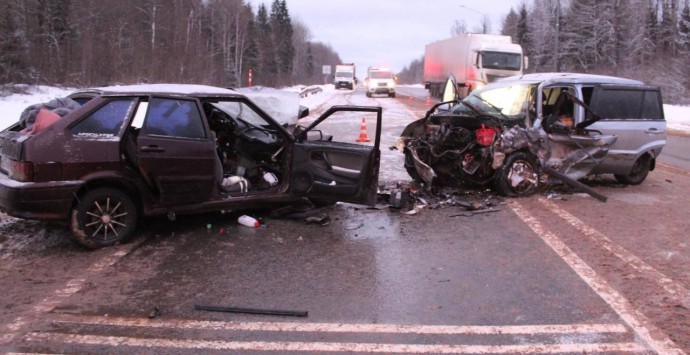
(553, 273)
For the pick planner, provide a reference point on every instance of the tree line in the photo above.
(214, 42)
(648, 40)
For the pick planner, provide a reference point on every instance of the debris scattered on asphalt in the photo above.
(322, 220)
(472, 213)
(269, 312)
(155, 312)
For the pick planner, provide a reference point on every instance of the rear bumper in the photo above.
(46, 200)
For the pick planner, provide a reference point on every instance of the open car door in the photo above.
(336, 169)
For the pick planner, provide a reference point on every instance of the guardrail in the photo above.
(310, 90)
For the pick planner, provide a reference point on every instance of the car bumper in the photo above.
(381, 90)
(46, 200)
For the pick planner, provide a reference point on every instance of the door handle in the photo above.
(152, 149)
(653, 131)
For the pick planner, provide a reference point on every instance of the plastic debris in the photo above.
(248, 221)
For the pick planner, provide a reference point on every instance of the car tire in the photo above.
(639, 171)
(519, 175)
(368, 94)
(392, 95)
(103, 217)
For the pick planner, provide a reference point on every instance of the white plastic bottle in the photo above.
(248, 221)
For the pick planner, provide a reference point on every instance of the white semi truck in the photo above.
(473, 60)
(345, 76)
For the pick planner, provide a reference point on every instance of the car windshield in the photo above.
(500, 60)
(381, 75)
(506, 102)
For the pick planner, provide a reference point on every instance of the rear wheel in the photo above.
(639, 171)
(103, 217)
(518, 176)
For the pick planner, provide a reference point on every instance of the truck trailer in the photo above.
(473, 60)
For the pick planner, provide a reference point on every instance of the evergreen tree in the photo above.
(510, 25)
(282, 39)
(266, 71)
(523, 31)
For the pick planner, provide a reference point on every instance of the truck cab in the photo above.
(345, 76)
(380, 81)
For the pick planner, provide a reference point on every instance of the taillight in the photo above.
(17, 170)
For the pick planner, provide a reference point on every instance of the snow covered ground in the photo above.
(11, 107)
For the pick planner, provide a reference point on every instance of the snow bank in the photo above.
(11, 106)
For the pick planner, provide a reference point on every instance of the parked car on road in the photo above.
(126, 152)
(513, 131)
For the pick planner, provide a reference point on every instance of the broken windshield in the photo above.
(508, 102)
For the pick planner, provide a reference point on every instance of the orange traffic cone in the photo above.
(363, 137)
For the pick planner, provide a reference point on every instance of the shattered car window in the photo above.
(505, 102)
(240, 110)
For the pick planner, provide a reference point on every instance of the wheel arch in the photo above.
(115, 183)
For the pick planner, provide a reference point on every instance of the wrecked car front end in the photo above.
(499, 137)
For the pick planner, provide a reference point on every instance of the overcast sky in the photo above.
(389, 33)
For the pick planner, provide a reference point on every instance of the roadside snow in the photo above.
(11, 107)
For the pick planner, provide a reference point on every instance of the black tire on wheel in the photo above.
(639, 171)
(368, 94)
(519, 175)
(103, 217)
(392, 95)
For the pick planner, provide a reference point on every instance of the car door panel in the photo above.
(335, 170)
(181, 169)
(635, 115)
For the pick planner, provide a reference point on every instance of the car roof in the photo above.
(170, 89)
(572, 78)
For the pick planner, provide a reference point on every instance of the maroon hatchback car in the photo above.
(114, 155)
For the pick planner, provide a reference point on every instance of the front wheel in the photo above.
(639, 171)
(518, 176)
(103, 217)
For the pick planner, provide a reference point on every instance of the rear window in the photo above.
(627, 104)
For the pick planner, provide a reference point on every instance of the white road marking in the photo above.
(346, 327)
(334, 347)
(73, 286)
(644, 328)
(674, 288)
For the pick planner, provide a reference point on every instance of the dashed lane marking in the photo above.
(672, 287)
(644, 328)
